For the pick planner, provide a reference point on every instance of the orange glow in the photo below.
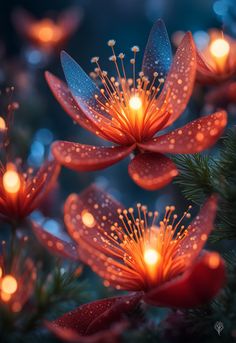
(2, 124)
(214, 260)
(9, 285)
(151, 259)
(1, 272)
(5, 296)
(135, 102)
(16, 306)
(46, 31)
(88, 219)
(11, 182)
(219, 50)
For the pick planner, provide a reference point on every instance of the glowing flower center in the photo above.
(11, 182)
(135, 103)
(219, 48)
(151, 257)
(46, 31)
(149, 249)
(9, 285)
(130, 103)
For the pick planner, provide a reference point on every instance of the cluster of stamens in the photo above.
(130, 103)
(149, 247)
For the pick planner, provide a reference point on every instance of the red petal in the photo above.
(23, 21)
(42, 183)
(194, 137)
(199, 230)
(152, 171)
(195, 287)
(205, 74)
(70, 19)
(89, 218)
(88, 157)
(65, 99)
(180, 80)
(95, 201)
(54, 244)
(99, 315)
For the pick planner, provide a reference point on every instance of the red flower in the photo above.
(137, 254)
(46, 33)
(163, 260)
(16, 285)
(217, 63)
(23, 192)
(129, 112)
(101, 321)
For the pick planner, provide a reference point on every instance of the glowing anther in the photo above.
(219, 48)
(2, 124)
(151, 257)
(135, 102)
(11, 181)
(88, 219)
(9, 284)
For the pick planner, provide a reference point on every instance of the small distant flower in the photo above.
(131, 111)
(47, 34)
(16, 284)
(217, 62)
(161, 258)
(101, 321)
(21, 192)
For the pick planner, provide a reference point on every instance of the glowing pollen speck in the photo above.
(88, 219)
(9, 284)
(11, 181)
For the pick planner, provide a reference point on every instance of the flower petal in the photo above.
(180, 79)
(43, 182)
(158, 54)
(54, 244)
(195, 287)
(90, 218)
(198, 231)
(83, 89)
(194, 137)
(105, 336)
(99, 315)
(67, 102)
(88, 157)
(152, 171)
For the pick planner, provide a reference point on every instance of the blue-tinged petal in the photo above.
(158, 54)
(82, 88)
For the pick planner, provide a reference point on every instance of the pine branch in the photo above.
(202, 175)
(195, 177)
